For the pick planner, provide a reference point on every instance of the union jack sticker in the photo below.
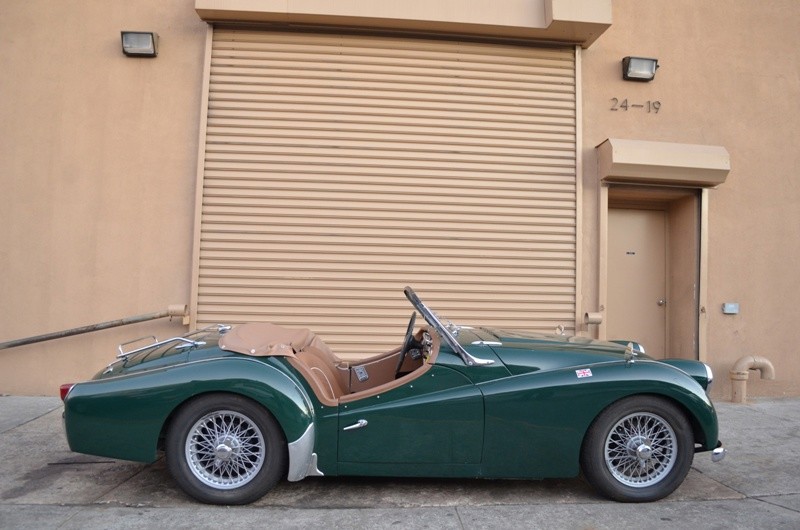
(586, 372)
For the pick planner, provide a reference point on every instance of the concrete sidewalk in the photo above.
(44, 485)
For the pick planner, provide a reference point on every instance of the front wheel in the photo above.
(225, 449)
(638, 449)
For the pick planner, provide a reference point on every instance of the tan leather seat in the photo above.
(328, 380)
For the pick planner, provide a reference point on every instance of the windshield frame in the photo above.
(433, 320)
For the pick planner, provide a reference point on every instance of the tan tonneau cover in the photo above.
(262, 339)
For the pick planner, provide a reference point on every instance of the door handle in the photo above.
(357, 425)
(661, 302)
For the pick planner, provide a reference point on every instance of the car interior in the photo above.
(332, 379)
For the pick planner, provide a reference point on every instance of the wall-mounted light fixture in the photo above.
(140, 43)
(639, 68)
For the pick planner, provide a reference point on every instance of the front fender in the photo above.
(123, 417)
(542, 417)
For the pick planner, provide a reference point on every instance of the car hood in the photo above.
(524, 351)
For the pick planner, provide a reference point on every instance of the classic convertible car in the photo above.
(236, 410)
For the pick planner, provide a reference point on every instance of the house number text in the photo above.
(625, 105)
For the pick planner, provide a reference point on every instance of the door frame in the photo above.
(702, 273)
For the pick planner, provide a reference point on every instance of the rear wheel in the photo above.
(638, 450)
(225, 449)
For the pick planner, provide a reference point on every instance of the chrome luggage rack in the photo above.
(186, 343)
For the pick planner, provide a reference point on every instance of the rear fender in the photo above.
(123, 417)
(286, 400)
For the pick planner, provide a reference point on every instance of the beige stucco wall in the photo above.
(97, 164)
(728, 77)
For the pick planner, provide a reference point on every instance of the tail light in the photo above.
(64, 390)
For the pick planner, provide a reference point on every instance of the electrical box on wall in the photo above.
(730, 308)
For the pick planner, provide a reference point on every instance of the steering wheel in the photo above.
(408, 342)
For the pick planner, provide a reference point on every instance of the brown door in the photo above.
(637, 284)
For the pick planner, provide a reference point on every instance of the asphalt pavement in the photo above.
(44, 485)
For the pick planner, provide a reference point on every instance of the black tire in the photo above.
(638, 449)
(225, 449)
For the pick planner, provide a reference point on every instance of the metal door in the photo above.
(637, 283)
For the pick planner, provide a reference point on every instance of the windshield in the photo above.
(447, 334)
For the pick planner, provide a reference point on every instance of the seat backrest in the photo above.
(327, 380)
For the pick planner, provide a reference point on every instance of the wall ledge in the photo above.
(560, 21)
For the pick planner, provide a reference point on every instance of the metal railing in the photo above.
(172, 311)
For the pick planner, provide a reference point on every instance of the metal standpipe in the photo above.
(740, 372)
(177, 310)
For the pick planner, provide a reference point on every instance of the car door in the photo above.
(434, 419)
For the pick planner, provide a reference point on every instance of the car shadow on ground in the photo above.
(153, 486)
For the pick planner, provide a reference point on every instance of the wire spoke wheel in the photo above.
(640, 450)
(225, 449)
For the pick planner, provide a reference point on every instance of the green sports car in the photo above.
(236, 410)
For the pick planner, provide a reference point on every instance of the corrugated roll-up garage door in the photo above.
(339, 169)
